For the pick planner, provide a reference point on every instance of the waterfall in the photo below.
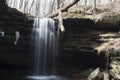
(44, 39)
(45, 45)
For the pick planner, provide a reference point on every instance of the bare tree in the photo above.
(114, 0)
(99, 1)
(57, 4)
(94, 6)
(110, 1)
(61, 10)
(86, 2)
(65, 8)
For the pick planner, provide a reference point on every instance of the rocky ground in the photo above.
(108, 13)
(79, 43)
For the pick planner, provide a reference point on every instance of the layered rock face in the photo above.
(76, 47)
(14, 59)
(79, 42)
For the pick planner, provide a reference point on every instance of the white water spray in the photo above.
(45, 37)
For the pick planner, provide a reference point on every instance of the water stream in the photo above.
(45, 40)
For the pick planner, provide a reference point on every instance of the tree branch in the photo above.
(61, 26)
(65, 8)
(59, 14)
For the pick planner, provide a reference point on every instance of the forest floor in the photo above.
(108, 13)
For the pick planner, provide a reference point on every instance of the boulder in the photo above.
(95, 75)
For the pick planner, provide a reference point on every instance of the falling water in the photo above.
(44, 38)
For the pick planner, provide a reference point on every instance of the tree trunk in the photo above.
(61, 26)
(110, 1)
(114, 0)
(85, 2)
(99, 1)
(57, 4)
(94, 6)
(65, 8)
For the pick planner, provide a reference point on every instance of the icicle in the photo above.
(17, 35)
(1, 33)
